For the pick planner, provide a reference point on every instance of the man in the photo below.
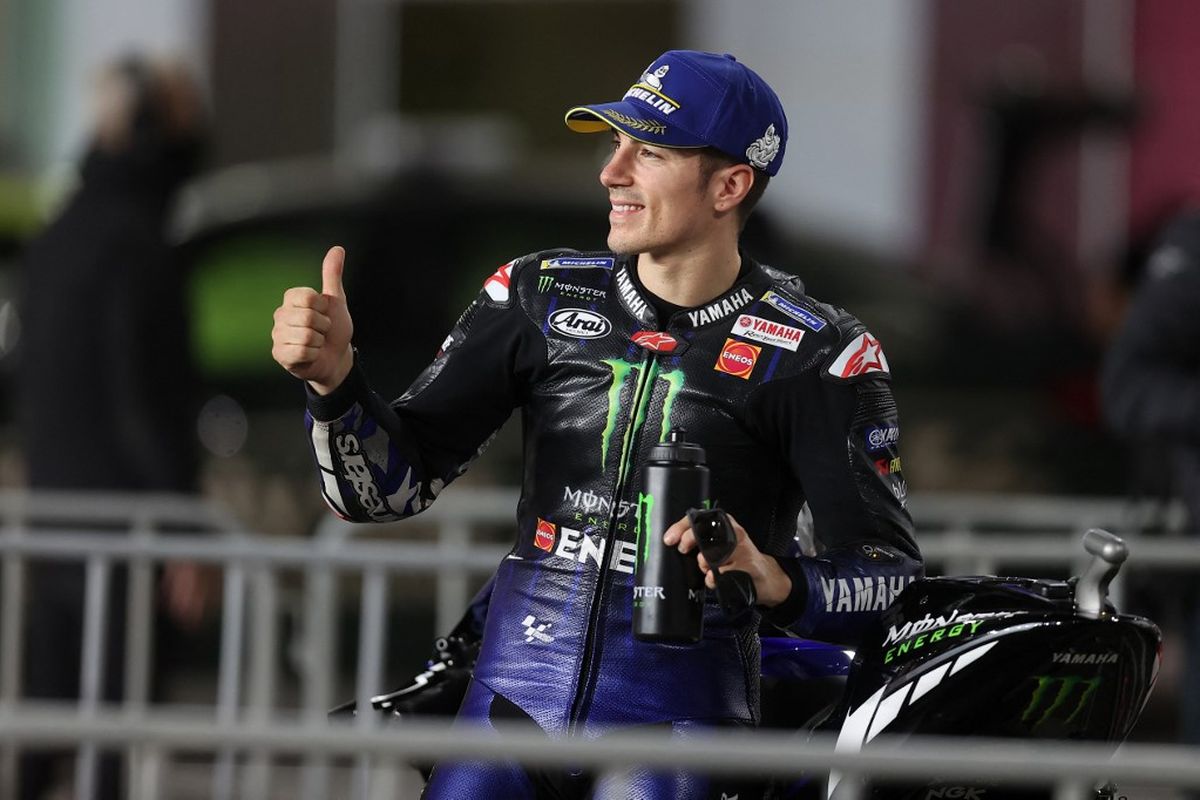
(106, 390)
(603, 353)
(1150, 390)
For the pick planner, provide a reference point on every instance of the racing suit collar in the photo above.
(641, 303)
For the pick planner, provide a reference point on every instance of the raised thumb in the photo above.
(331, 272)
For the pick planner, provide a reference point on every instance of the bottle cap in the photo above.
(677, 448)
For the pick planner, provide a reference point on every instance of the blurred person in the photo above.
(604, 353)
(1150, 390)
(106, 389)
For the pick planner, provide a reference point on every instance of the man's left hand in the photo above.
(771, 583)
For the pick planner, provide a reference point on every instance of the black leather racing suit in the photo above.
(790, 399)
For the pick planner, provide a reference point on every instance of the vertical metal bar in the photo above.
(139, 643)
(11, 620)
(229, 677)
(147, 780)
(371, 636)
(139, 646)
(851, 787)
(453, 589)
(11, 641)
(319, 646)
(260, 694)
(95, 615)
(1070, 789)
(407, 782)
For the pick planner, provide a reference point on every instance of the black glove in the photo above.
(717, 540)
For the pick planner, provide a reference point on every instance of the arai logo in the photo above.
(579, 323)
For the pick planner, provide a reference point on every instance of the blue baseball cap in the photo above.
(686, 98)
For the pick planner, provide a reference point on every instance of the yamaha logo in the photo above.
(579, 323)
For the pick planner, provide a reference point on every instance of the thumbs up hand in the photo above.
(311, 337)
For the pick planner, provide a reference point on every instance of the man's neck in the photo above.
(690, 278)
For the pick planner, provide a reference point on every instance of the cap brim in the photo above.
(633, 121)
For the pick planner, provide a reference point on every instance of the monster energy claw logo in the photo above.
(1062, 697)
(545, 282)
(621, 371)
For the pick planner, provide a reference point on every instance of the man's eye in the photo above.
(648, 153)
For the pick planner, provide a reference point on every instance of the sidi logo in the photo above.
(579, 323)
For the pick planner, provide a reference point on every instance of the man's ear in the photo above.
(730, 185)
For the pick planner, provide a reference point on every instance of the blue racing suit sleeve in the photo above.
(380, 462)
(840, 434)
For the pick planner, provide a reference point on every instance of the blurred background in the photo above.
(977, 180)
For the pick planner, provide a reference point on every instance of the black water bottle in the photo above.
(668, 589)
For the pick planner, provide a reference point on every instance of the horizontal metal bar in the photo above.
(252, 551)
(1026, 762)
(115, 508)
(1041, 549)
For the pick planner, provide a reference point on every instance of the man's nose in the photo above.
(616, 169)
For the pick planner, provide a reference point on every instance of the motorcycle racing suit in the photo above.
(789, 398)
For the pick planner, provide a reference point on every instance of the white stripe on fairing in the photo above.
(850, 737)
(928, 681)
(971, 656)
(333, 494)
(888, 711)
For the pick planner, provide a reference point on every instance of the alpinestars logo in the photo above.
(621, 372)
(862, 356)
(497, 285)
(535, 632)
(655, 341)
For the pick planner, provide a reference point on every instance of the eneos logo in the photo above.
(543, 537)
(737, 358)
(579, 323)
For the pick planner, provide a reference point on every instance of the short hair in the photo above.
(712, 159)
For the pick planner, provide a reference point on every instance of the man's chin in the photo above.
(622, 247)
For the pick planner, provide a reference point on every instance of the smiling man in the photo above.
(603, 353)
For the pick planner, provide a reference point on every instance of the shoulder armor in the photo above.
(499, 287)
(858, 355)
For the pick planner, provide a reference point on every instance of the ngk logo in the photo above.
(737, 358)
(957, 793)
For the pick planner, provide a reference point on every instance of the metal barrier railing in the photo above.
(1049, 535)
(1072, 768)
(959, 534)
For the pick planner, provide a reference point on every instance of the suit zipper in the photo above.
(634, 425)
